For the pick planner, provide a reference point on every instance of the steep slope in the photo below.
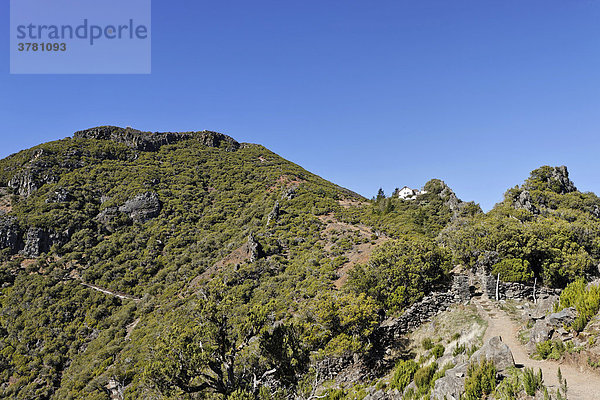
(122, 248)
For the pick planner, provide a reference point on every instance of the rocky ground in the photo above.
(583, 385)
(505, 332)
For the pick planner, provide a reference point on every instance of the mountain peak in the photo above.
(555, 179)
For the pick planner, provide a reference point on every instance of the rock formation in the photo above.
(152, 141)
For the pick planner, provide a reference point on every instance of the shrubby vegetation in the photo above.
(586, 301)
(544, 229)
(481, 380)
(401, 271)
(194, 325)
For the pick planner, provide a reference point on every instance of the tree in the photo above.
(201, 353)
(400, 271)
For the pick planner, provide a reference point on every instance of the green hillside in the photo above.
(190, 266)
(208, 242)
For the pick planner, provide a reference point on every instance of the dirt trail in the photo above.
(110, 292)
(581, 385)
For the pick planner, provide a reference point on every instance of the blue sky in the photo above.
(365, 94)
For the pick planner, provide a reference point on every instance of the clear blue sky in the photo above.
(363, 93)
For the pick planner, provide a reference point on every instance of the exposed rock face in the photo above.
(544, 328)
(142, 207)
(457, 206)
(10, 234)
(37, 241)
(274, 214)
(31, 178)
(524, 201)
(152, 141)
(60, 195)
(289, 193)
(109, 218)
(554, 178)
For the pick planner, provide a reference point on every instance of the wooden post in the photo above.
(497, 288)
(534, 283)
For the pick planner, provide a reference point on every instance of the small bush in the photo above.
(481, 380)
(437, 351)
(459, 350)
(427, 344)
(403, 374)
(423, 377)
(532, 381)
(550, 349)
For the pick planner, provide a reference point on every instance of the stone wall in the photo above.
(513, 290)
(422, 311)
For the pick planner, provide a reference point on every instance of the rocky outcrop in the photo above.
(289, 193)
(552, 178)
(544, 328)
(142, 207)
(497, 352)
(255, 249)
(37, 241)
(274, 214)
(59, 195)
(525, 202)
(152, 141)
(31, 178)
(10, 234)
(452, 385)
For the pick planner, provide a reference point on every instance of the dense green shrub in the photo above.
(586, 301)
(427, 343)
(513, 270)
(400, 272)
(552, 349)
(481, 380)
(424, 376)
(437, 350)
(552, 237)
(403, 374)
(532, 381)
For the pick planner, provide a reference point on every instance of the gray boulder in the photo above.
(564, 317)
(497, 352)
(452, 385)
(544, 328)
(411, 387)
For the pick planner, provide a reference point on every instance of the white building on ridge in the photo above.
(407, 193)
